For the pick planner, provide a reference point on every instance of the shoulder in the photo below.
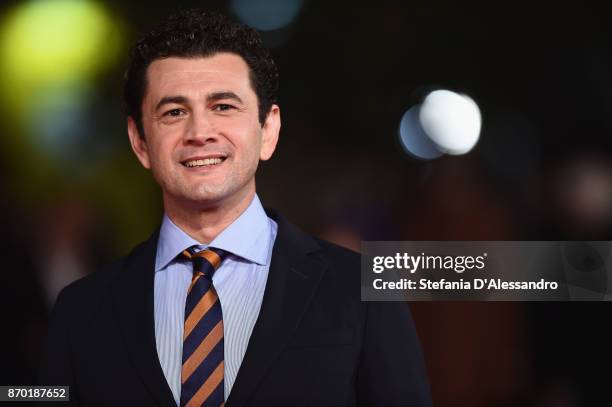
(94, 283)
(339, 257)
(84, 295)
(294, 240)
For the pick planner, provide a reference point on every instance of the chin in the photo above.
(206, 198)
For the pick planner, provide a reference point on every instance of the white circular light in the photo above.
(451, 120)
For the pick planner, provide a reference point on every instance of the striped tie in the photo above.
(202, 371)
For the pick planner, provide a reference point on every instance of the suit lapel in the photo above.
(292, 281)
(134, 309)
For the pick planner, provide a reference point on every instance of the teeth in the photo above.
(206, 161)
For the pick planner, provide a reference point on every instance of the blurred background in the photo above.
(361, 157)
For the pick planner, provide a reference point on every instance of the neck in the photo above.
(204, 222)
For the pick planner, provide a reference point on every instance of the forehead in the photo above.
(222, 71)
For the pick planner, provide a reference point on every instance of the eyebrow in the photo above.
(166, 100)
(212, 97)
(215, 96)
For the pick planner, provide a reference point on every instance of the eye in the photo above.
(222, 107)
(174, 113)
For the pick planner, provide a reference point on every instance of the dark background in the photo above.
(74, 197)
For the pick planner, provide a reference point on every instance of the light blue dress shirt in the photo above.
(240, 283)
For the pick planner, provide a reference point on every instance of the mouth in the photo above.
(200, 162)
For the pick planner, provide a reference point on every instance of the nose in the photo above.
(200, 129)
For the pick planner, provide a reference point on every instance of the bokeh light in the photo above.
(45, 43)
(61, 120)
(52, 55)
(452, 121)
(585, 191)
(267, 15)
(444, 123)
(413, 139)
(54, 40)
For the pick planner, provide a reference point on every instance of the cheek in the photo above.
(164, 145)
(252, 149)
(246, 139)
(251, 139)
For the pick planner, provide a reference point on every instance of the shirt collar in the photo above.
(246, 237)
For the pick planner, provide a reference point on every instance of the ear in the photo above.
(270, 133)
(139, 144)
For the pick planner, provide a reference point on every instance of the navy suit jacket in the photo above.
(314, 343)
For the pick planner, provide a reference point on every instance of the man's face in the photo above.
(203, 140)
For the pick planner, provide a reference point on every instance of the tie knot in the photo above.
(205, 261)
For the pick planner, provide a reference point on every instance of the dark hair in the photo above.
(195, 33)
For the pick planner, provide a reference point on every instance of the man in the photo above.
(225, 302)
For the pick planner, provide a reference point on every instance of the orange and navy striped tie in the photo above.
(202, 371)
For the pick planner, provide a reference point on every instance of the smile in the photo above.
(205, 162)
